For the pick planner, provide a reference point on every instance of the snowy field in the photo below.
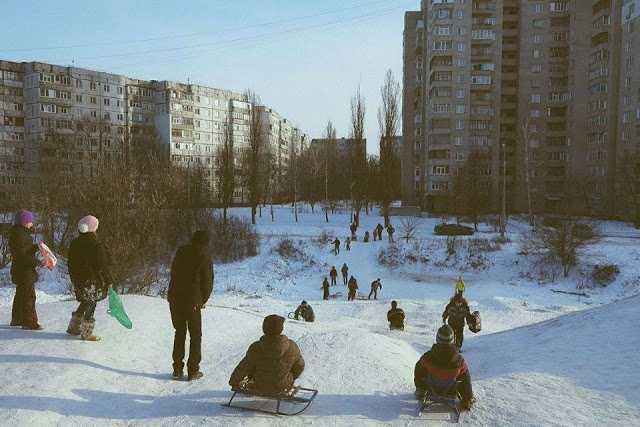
(543, 358)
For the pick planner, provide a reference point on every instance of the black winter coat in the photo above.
(191, 277)
(89, 268)
(23, 256)
(306, 312)
(395, 316)
(456, 313)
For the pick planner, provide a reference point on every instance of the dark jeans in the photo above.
(345, 279)
(458, 333)
(333, 280)
(186, 320)
(86, 310)
(351, 296)
(23, 311)
(373, 292)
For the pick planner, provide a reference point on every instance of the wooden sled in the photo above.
(298, 399)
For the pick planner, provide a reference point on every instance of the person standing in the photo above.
(325, 289)
(376, 285)
(390, 231)
(379, 229)
(375, 235)
(189, 290)
(89, 275)
(366, 237)
(336, 246)
(353, 229)
(353, 289)
(347, 244)
(23, 272)
(334, 275)
(345, 273)
(396, 316)
(456, 313)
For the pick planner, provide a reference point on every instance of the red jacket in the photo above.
(442, 367)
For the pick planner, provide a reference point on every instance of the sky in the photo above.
(304, 58)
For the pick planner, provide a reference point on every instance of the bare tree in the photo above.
(358, 155)
(329, 149)
(253, 156)
(409, 227)
(225, 169)
(388, 122)
(470, 195)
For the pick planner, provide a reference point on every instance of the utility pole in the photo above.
(503, 221)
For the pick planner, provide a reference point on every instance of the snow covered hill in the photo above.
(542, 359)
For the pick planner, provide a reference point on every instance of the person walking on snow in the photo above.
(305, 311)
(375, 235)
(345, 273)
(459, 288)
(334, 275)
(189, 290)
(347, 244)
(353, 229)
(390, 231)
(375, 287)
(395, 316)
(271, 364)
(442, 371)
(353, 289)
(325, 289)
(366, 237)
(336, 246)
(456, 313)
(90, 276)
(23, 271)
(379, 229)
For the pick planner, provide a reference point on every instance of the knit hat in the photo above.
(273, 324)
(445, 335)
(24, 217)
(88, 224)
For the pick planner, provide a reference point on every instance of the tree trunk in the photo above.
(253, 214)
(224, 215)
(326, 213)
(272, 215)
(385, 213)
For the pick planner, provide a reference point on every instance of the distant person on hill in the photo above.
(353, 289)
(23, 271)
(271, 364)
(456, 313)
(460, 286)
(442, 371)
(336, 246)
(189, 290)
(379, 229)
(366, 236)
(345, 273)
(325, 289)
(334, 275)
(376, 285)
(305, 311)
(375, 235)
(395, 316)
(90, 276)
(390, 231)
(347, 244)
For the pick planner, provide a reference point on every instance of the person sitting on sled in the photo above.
(305, 311)
(442, 371)
(271, 364)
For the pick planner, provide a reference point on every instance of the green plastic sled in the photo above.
(116, 309)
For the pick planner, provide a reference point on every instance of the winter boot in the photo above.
(74, 324)
(86, 331)
(194, 376)
(178, 374)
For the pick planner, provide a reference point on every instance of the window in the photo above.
(536, 39)
(107, 88)
(93, 85)
(439, 186)
(535, 113)
(538, 8)
(442, 31)
(536, 68)
(47, 108)
(537, 23)
(536, 53)
(93, 100)
(441, 108)
(460, 47)
(120, 91)
(460, 93)
(535, 98)
(106, 116)
(106, 101)
(459, 124)
(460, 62)
(457, 140)
(443, 14)
(440, 170)
(481, 80)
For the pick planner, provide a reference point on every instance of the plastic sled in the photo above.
(474, 322)
(294, 402)
(439, 408)
(117, 311)
(49, 259)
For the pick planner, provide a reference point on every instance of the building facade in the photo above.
(85, 117)
(545, 85)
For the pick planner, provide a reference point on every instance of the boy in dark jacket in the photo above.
(271, 364)
(334, 275)
(353, 289)
(89, 275)
(443, 371)
(456, 312)
(336, 246)
(23, 272)
(345, 273)
(189, 290)
(305, 311)
(325, 289)
(376, 285)
(395, 316)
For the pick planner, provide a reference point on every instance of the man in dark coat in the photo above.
(90, 276)
(23, 272)
(305, 311)
(375, 235)
(325, 289)
(456, 313)
(334, 275)
(336, 246)
(395, 316)
(376, 285)
(347, 244)
(345, 273)
(353, 289)
(366, 237)
(379, 229)
(271, 364)
(443, 371)
(390, 231)
(189, 290)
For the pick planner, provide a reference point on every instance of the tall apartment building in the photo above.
(89, 114)
(548, 81)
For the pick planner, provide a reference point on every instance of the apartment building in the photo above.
(545, 85)
(84, 117)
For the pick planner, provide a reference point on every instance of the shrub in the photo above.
(391, 256)
(285, 248)
(453, 230)
(603, 275)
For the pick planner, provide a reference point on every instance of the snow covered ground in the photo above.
(543, 358)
